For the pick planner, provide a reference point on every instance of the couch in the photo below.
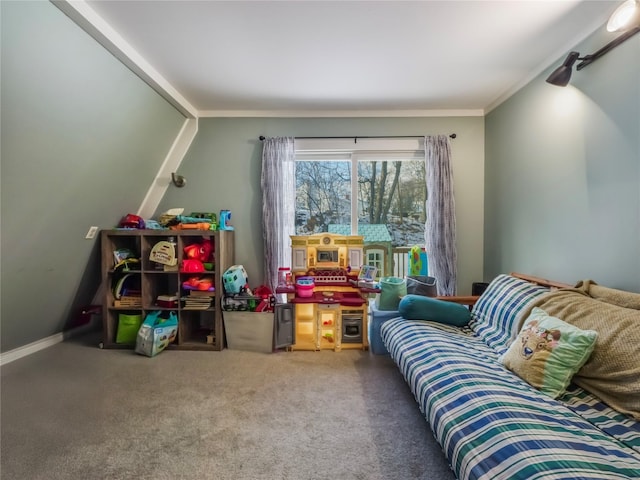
(490, 421)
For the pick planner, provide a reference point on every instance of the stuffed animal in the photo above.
(199, 251)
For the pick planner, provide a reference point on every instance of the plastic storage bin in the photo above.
(392, 290)
(422, 285)
(377, 318)
(128, 326)
(252, 331)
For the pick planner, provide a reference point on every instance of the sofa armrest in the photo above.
(469, 300)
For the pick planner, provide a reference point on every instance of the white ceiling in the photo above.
(264, 57)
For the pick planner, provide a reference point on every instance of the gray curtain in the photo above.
(278, 204)
(440, 227)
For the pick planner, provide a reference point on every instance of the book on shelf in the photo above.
(196, 302)
(202, 293)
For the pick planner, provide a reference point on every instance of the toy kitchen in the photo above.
(329, 303)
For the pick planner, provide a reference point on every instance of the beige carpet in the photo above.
(74, 411)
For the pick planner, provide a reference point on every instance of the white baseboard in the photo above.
(17, 353)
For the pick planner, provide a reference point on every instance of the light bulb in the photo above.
(625, 16)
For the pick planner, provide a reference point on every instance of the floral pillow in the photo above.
(548, 352)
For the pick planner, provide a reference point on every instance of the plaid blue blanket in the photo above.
(491, 424)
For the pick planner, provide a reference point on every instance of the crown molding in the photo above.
(338, 113)
(547, 64)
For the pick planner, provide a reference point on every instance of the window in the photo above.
(376, 258)
(372, 187)
(323, 194)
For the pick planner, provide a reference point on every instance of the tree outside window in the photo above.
(387, 191)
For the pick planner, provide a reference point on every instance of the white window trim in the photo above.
(364, 149)
(362, 144)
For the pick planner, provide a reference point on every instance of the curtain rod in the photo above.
(356, 137)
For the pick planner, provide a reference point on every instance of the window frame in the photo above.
(355, 150)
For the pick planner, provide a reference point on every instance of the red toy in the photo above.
(190, 266)
(265, 293)
(131, 221)
(199, 283)
(199, 251)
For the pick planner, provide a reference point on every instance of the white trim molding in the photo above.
(339, 113)
(376, 146)
(171, 163)
(33, 347)
(546, 64)
(92, 23)
(15, 354)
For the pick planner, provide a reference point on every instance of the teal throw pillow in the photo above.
(419, 307)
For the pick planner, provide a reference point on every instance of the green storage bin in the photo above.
(128, 326)
(392, 289)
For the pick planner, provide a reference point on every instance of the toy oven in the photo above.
(352, 326)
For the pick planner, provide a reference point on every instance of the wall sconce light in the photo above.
(178, 180)
(626, 18)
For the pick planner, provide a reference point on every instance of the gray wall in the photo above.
(82, 140)
(223, 169)
(83, 137)
(562, 195)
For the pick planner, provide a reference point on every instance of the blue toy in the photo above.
(225, 218)
(234, 279)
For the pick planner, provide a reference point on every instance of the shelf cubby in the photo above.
(198, 328)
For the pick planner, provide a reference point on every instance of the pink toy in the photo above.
(305, 286)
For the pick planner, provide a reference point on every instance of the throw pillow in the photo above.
(548, 352)
(419, 307)
(612, 373)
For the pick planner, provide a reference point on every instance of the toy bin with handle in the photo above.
(422, 285)
(305, 286)
(392, 289)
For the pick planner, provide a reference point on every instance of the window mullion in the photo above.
(354, 194)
